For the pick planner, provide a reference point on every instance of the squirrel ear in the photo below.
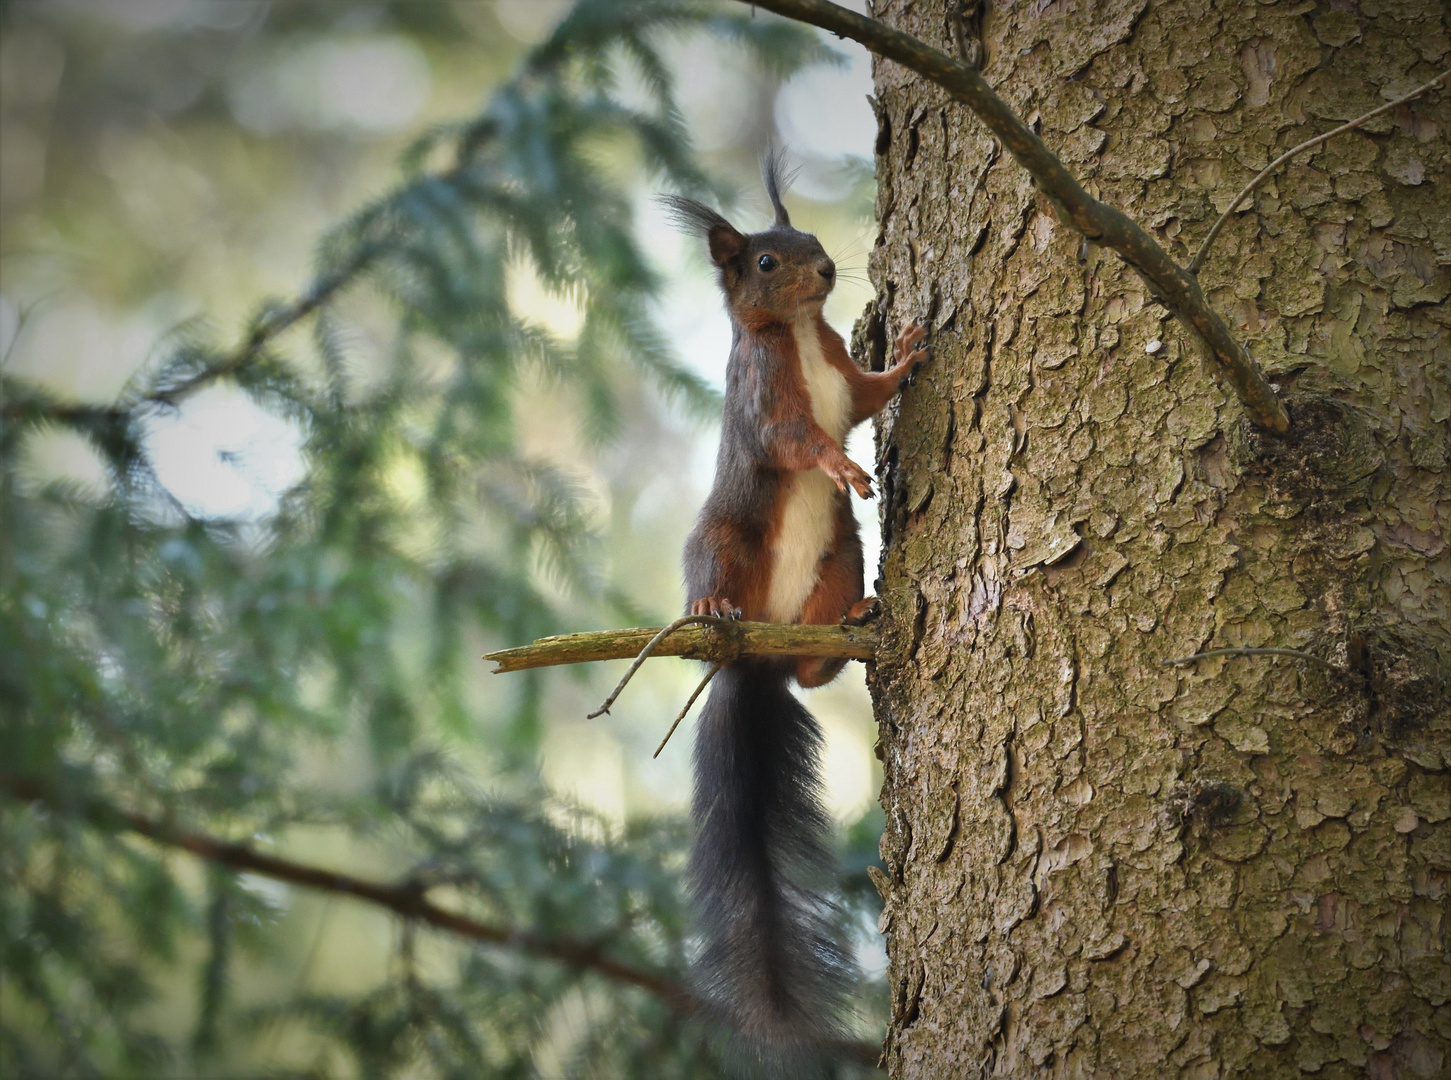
(773, 172)
(725, 242)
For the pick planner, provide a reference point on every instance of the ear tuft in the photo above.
(695, 217)
(777, 179)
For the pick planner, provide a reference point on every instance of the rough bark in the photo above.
(1097, 865)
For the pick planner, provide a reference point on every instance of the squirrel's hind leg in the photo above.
(837, 597)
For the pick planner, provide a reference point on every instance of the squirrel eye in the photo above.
(767, 263)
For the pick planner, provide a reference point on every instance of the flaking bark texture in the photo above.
(1097, 865)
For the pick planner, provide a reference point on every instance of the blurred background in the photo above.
(341, 343)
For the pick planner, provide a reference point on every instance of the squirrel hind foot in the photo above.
(862, 612)
(719, 606)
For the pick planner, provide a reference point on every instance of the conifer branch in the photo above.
(1099, 222)
(270, 325)
(407, 899)
(62, 412)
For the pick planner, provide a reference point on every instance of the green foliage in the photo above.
(302, 674)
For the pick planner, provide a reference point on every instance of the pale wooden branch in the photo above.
(714, 669)
(1295, 653)
(713, 643)
(1101, 223)
(1203, 252)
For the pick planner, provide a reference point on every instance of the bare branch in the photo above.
(1101, 223)
(1203, 252)
(689, 702)
(715, 642)
(1296, 653)
(64, 412)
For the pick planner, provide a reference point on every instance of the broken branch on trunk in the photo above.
(1103, 224)
(718, 642)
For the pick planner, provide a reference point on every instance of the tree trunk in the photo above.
(1098, 864)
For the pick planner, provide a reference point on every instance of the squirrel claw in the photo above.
(718, 606)
(850, 474)
(911, 334)
(862, 612)
(905, 354)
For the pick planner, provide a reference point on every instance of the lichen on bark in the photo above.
(1094, 864)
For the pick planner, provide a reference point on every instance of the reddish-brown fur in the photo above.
(796, 443)
(775, 539)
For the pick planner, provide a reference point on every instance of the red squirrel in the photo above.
(776, 541)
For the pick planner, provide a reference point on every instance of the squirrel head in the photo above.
(768, 276)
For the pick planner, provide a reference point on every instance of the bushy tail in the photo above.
(773, 960)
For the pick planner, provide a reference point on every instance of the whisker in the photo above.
(856, 242)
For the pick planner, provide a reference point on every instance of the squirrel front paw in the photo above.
(905, 354)
(718, 606)
(847, 473)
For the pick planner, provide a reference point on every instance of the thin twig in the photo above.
(1103, 224)
(665, 632)
(703, 684)
(1203, 252)
(64, 412)
(1296, 653)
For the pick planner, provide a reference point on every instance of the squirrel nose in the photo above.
(827, 270)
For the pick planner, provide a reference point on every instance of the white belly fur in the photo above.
(808, 518)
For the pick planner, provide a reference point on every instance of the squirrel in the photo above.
(776, 541)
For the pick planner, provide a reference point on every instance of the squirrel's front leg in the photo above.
(800, 445)
(872, 390)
